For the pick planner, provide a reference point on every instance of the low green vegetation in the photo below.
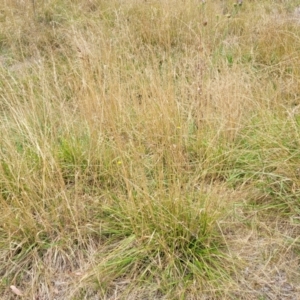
(149, 149)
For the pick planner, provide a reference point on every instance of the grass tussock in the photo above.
(149, 150)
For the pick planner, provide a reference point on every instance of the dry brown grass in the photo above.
(149, 149)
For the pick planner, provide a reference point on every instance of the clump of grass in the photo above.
(269, 157)
(168, 241)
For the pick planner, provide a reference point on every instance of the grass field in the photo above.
(149, 149)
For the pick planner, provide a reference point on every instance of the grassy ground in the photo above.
(149, 149)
